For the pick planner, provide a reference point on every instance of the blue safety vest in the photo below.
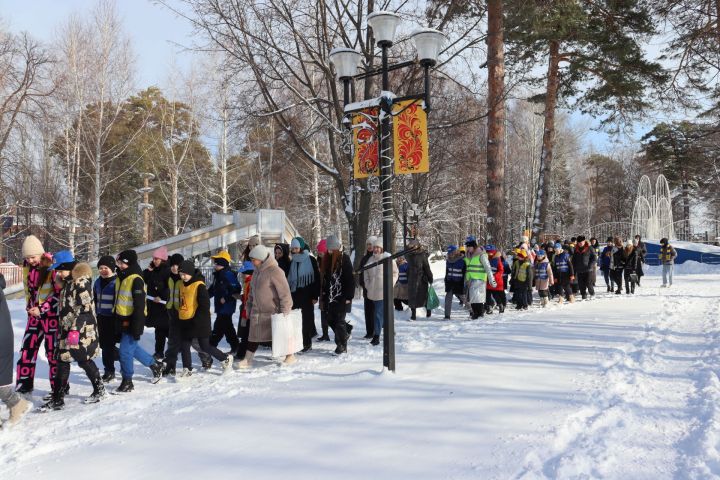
(454, 270)
(561, 262)
(541, 271)
(105, 297)
(402, 277)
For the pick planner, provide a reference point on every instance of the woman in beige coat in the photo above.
(374, 286)
(269, 294)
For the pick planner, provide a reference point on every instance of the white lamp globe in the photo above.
(428, 43)
(384, 24)
(346, 61)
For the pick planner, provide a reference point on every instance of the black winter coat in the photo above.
(338, 285)
(134, 324)
(419, 277)
(631, 261)
(198, 326)
(583, 260)
(156, 282)
(363, 261)
(284, 261)
(304, 296)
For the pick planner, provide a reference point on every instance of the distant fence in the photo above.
(13, 274)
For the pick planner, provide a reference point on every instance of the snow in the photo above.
(621, 387)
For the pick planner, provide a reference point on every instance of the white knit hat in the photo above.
(259, 252)
(371, 240)
(333, 243)
(32, 246)
(378, 242)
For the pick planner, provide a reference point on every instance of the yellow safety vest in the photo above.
(522, 271)
(474, 269)
(188, 300)
(46, 288)
(174, 300)
(123, 296)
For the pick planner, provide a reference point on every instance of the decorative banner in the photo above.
(410, 138)
(365, 142)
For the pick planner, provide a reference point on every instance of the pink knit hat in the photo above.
(322, 246)
(161, 253)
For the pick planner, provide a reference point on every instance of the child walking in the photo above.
(543, 277)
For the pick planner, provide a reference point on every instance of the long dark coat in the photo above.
(419, 277)
(156, 282)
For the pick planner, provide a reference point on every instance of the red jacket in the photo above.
(497, 271)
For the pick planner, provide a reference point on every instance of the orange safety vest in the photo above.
(188, 300)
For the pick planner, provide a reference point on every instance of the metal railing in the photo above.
(13, 274)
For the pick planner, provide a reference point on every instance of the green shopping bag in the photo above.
(432, 300)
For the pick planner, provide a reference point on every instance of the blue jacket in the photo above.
(455, 272)
(104, 297)
(606, 258)
(225, 285)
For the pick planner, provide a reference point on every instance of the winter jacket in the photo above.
(667, 254)
(133, 324)
(198, 326)
(642, 250)
(455, 275)
(583, 258)
(284, 261)
(498, 271)
(401, 286)
(543, 275)
(524, 276)
(225, 285)
(7, 349)
(419, 278)
(632, 261)
(606, 258)
(363, 261)
(338, 282)
(156, 284)
(269, 294)
(618, 259)
(374, 277)
(475, 287)
(41, 290)
(77, 312)
(304, 296)
(104, 295)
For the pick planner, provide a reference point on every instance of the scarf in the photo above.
(301, 271)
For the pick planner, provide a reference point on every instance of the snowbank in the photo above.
(690, 267)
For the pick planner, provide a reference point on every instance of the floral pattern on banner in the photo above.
(410, 138)
(365, 143)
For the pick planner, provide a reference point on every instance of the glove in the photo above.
(73, 338)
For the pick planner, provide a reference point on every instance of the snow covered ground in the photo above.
(621, 388)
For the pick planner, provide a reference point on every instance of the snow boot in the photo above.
(488, 309)
(168, 371)
(227, 364)
(156, 369)
(501, 308)
(429, 312)
(57, 402)
(65, 391)
(572, 298)
(289, 359)
(544, 301)
(18, 411)
(98, 393)
(186, 373)
(446, 318)
(246, 362)
(376, 339)
(108, 377)
(341, 348)
(126, 386)
(206, 360)
(323, 338)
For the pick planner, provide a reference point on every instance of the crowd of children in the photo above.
(76, 319)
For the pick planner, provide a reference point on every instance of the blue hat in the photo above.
(451, 248)
(63, 256)
(558, 246)
(248, 266)
(490, 247)
(470, 238)
(540, 253)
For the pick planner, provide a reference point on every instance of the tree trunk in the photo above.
(496, 124)
(317, 219)
(546, 154)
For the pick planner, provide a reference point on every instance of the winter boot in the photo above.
(57, 402)
(341, 348)
(227, 364)
(488, 309)
(168, 371)
(206, 360)
(544, 301)
(289, 359)
(376, 340)
(156, 369)
(98, 393)
(323, 338)
(429, 312)
(65, 391)
(572, 298)
(126, 386)
(18, 411)
(108, 377)
(246, 362)
(501, 308)
(349, 331)
(186, 373)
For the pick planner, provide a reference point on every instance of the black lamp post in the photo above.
(428, 43)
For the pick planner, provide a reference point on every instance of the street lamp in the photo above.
(428, 43)
(145, 206)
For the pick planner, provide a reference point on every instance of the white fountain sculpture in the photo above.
(652, 214)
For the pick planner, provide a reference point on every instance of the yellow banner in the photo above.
(365, 143)
(410, 138)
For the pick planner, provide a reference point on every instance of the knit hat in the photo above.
(63, 260)
(259, 252)
(128, 257)
(525, 239)
(106, 261)
(299, 242)
(254, 241)
(161, 253)
(187, 267)
(222, 258)
(629, 243)
(371, 240)
(248, 267)
(378, 243)
(176, 259)
(452, 249)
(32, 246)
(333, 243)
(540, 253)
(580, 238)
(322, 246)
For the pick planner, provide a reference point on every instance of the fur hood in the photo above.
(81, 271)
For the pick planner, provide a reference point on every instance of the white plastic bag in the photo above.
(287, 336)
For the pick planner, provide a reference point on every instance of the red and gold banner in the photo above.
(410, 138)
(366, 158)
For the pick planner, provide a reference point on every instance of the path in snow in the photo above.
(614, 388)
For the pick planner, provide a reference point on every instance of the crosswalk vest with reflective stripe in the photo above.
(188, 300)
(174, 300)
(105, 297)
(474, 269)
(123, 296)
